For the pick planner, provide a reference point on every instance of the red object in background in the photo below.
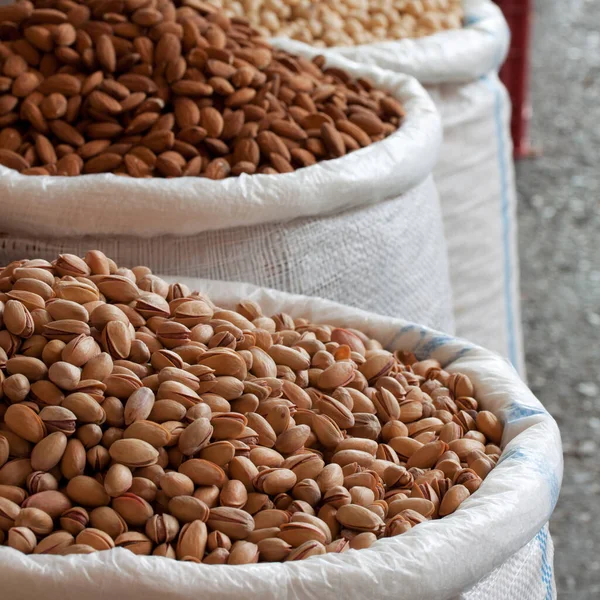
(515, 72)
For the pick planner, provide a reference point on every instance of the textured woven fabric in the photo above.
(476, 182)
(527, 575)
(456, 55)
(475, 174)
(388, 258)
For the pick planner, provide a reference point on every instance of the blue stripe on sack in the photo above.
(471, 20)
(506, 228)
(547, 569)
(428, 345)
(406, 330)
(518, 411)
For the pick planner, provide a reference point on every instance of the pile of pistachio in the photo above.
(138, 414)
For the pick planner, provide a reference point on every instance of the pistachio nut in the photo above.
(195, 436)
(76, 549)
(87, 491)
(17, 319)
(338, 546)
(192, 540)
(118, 480)
(233, 522)
(24, 422)
(135, 542)
(95, 538)
(243, 553)
(133, 453)
(297, 533)
(58, 418)
(228, 425)
(359, 518)
(65, 375)
(54, 543)
(36, 520)
(98, 368)
(176, 484)
(165, 550)
(203, 472)
(327, 431)
(9, 511)
(187, 509)
(74, 520)
(489, 424)
(134, 509)
(219, 556)
(13, 493)
(45, 393)
(145, 488)
(221, 453)
(233, 494)
(74, 459)
(300, 517)
(32, 368)
(273, 549)
(274, 481)
(162, 528)
(22, 538)
(80, 350)
(48, 452)
(152, 433)
(331, 476)
(108, 520)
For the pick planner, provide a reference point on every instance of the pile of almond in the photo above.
(138, 414)
(148, 88)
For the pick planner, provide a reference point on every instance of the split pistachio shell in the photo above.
(95, 538)
(135, 542)
(22, 539)
(235, 523)
(54, 543)
(192, 540)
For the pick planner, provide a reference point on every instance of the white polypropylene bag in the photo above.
(475, 174)
(365, 229)
(494, 547)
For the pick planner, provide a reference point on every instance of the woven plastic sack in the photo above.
(365, 229)
(495, 546)
(475, 174)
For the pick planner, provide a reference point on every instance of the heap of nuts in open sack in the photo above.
(153, 89)
(138, 414)
(347, 22)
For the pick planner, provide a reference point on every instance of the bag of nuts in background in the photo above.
(195, 94)
(331, 23)
(475, 174)
(490, 542)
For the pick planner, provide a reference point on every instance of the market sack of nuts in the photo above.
(176, 138)
(475, 174)
(229, 425)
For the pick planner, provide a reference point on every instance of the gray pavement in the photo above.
(559, 219)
